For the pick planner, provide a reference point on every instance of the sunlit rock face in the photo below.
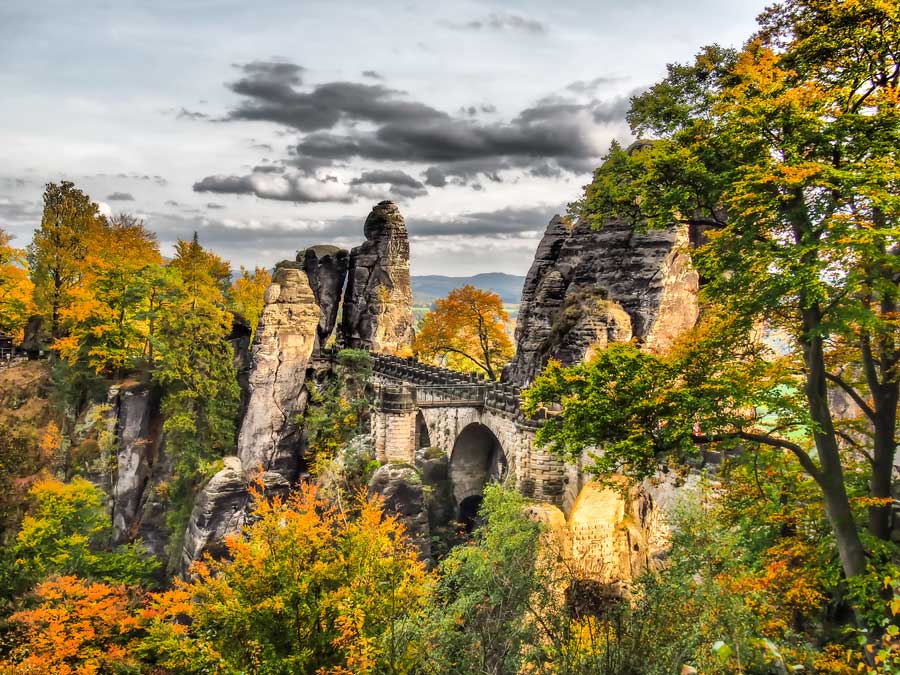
(269, 438)
(378, 300)
(612, 534)
(587, 288)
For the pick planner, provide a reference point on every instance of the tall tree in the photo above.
(466, 331)
(59, 246)
(195, 365)
(786, 154)
(16, 289)
(108, 330)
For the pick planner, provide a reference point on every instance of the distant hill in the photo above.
(426, 289)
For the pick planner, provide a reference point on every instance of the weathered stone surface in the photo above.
(378, 300)
(326, 267)
(401, 487)
(35, 338)
(222, 508)
(589, 287)
(434, 467)
(239, 339)
(269, 437)
(135, 456)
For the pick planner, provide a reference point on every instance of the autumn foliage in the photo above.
(466, 331)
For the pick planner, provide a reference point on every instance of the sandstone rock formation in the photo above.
(378, 300)
(612, 533)
(401, 487)
(239, 339)
(326, 269)
(588, 287)
(134, 458)
(269, 437)
(221, 509)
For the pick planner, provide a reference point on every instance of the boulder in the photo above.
(269, 438)
(222, 508)
(326, 269)
(378, 300)
(587, 288)
(401, 488)
(434, 467)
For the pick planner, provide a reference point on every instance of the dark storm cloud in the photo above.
(553, 137)
(499, 22)
(387, 183)
(373, 74)
(296, 188)
(271, 93)
(392, 177)
(268, 168)
(120, 197)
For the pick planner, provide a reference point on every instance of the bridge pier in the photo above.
(394, 425)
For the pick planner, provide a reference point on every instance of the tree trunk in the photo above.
(883, 461)
(831, 481)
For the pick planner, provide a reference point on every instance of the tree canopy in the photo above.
(466, 331)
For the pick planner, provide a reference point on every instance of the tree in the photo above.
(304, 590)
(16, 289)
(59, 246)
(195, 366)
(108, 330)
(247, 294)
(482, 619)
(467, 331)
(67, 532)
(77, 627)
(785, 154)
(340, 410)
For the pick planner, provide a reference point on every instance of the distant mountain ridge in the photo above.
(427, 288)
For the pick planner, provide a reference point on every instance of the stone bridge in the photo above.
(476, 422)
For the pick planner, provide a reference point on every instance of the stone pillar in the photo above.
(395, 426)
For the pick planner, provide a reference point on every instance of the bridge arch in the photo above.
(477, 458)
(423, 436)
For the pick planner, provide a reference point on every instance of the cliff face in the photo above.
(269, 437)
(588, 287)
(378, 300)
(326, 270)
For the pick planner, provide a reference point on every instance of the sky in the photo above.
(273, 125)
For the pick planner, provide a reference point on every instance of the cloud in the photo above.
(500, 22)
(214, 206)
(373, 74)
(271, 95)
(590, 86)
(172, 202)
(120, 197)
(399, 184)
(342, 122)
(289, 188)
(268, 168)
(185, 114)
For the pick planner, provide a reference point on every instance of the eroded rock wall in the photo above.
(326, 269)
(378, 300)
(587, 288)
(269, 438)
